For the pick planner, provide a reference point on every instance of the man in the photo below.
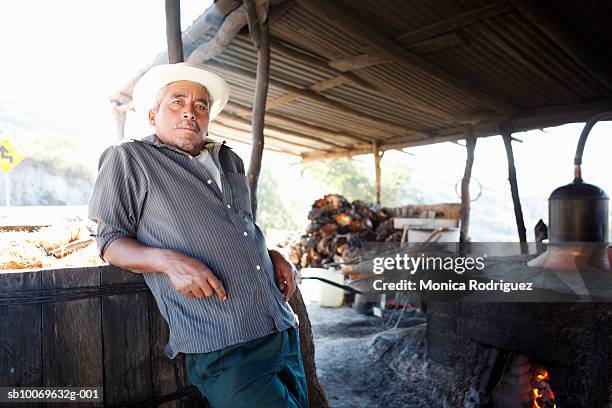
(175, 207)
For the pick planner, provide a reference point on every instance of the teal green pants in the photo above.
(261, 373)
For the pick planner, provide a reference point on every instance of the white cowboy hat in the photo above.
(146, 89)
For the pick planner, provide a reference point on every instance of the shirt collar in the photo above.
(209, 145)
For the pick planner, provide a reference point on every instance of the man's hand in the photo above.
(283, 273)
(191, 277)
(188, 275)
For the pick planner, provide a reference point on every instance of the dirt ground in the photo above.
(360, 364)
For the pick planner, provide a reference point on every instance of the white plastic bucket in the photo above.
(314, 290)
(332, 296)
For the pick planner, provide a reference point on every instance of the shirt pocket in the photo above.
(240, 193)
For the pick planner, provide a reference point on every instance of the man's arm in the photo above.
(284, 272)
(188, 275)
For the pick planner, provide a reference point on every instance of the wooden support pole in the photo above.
(120, 116)
(377, 158)
(470, 145)
(260, 35)
(516, 200)
(173, 31)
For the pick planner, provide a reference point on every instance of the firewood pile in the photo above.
(337, 230)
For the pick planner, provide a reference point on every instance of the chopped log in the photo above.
(67, 249)
(337, 230)
(470, 145)
(516, 200)
(173, 31)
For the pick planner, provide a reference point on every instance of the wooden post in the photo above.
(173, 31)
(260, 36)
(470, 145)
(120, 116)
(518, 211)
(377, 158)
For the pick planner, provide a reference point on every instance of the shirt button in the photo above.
(209, 181)
(245, 233)
(257, 267)
(229, 206)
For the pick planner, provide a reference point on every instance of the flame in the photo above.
(542, 394)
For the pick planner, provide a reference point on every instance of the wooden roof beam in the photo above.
(313, 96)
(247, 141)
(541, 17)
(365, 32)
(317, 87)
(527, 120)
(219, 127)
(227, 117)
(279, 48)
(242, 110)
(454, 23)
(364, 83)
(371, 56)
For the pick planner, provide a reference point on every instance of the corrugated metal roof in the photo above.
(480, 52)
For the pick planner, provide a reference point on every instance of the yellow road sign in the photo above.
(10, 156)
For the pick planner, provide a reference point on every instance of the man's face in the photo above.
(182, 117)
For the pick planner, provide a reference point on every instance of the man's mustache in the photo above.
(186, 123)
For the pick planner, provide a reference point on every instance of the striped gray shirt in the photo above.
(165, 198)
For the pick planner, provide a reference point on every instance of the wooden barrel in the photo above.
(89, 327)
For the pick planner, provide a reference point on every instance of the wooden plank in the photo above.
(328, 84)
(20, 334)
(365, 32)
(125, 328)
(72, 335)
(318, 62)
(168, 375)
(281, 100)
(360, 61)
(371, 56)
(173, 31)
(454, 23)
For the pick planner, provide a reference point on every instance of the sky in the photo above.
(63, 59)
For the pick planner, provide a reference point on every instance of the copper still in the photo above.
(577, 219)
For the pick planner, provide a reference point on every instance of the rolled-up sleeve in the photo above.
(117, 197)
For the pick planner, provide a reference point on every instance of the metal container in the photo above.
(578, 212)
(577, 219)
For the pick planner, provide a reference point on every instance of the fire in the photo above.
(543, 397)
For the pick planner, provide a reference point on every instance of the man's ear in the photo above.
(152, 114)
